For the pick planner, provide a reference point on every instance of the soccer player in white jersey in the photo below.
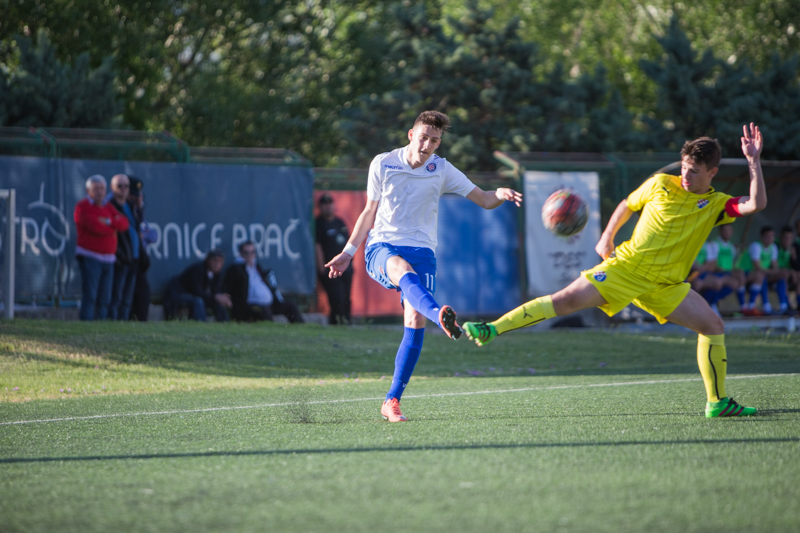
(403, 194)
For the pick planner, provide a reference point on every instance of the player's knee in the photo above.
(714, 326)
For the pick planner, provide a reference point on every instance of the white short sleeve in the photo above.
(712, 251)
(455, 182)
(774, 251)
(374, 182)
(755, 251)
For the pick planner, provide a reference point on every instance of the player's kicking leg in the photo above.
(580, 294)
(694, 313)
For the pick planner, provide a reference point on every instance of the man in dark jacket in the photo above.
(141, 292)
(128, 249)
(332, 235)
(198, 287)
(254, 291)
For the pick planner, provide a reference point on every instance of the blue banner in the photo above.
(477, 258)
(192, 207)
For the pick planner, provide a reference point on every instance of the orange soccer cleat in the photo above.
(390, 410)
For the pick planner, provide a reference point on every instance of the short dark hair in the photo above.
(215, 252)
(787, 229)
(325, 198)
(704, 150)
(765, 229)
(434, 119)
(246, 243)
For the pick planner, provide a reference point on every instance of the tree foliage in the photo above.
(340, 80)
(43, 91)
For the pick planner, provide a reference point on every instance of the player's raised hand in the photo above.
(509, 195)
(752, 143)
(338, 265)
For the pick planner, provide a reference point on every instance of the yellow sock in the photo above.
(713, 363)
(527, 314)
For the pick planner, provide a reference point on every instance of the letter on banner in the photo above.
(25, 239)
(216, 241)
(239, 236)
(269, 240)
(152, 248)
(197, 229)
(171, 226)
(258, 229)
(186, 239)
(293, 223)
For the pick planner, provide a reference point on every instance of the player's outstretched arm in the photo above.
(492, 199)
(606, 243)
(752, 144)
(365, 221)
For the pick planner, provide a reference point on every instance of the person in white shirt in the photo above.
(403, 191)
(254, 291)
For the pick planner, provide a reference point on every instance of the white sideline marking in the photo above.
(439, 395)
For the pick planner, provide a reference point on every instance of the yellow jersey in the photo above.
(673, 225)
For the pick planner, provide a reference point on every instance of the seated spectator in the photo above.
(719, 278)
(97, 223)
(787, 258)
(760, 264)
(254, 291)
(199, 287)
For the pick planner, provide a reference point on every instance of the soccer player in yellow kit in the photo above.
(676, 215)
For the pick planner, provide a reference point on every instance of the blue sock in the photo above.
(783, 296)
(722, 294)
(740, 296)
(418, 296)
(765, 296)
(711, 296)
(406, 360)
(754, 290)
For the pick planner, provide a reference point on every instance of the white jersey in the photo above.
(409, 198)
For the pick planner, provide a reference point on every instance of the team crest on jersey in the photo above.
(431, 167)
(599, 275)
(702, 202)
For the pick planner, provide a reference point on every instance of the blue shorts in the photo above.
(422, 260)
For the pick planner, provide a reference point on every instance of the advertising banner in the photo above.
(192, 208)
(554, 262)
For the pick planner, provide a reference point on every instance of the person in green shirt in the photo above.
(718, 277)
(760, 262)
(788, 261)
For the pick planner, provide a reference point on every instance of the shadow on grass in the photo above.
(444, 447)
(307, 351)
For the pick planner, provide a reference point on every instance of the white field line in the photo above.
(438, 395)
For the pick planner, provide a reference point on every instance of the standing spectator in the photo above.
(332, 235)
(140, 307)
(254, 291)
(198, 287)
(126, 267)
(97, 223)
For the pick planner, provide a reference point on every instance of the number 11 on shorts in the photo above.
(430, 279)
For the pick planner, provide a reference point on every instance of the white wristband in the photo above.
(350, 250)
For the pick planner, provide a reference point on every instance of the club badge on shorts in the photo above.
(431, 167)
(599, 275)
(702, 202)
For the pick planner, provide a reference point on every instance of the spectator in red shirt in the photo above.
(97, 223)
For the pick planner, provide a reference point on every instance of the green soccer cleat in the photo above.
(728, 407)
(480, 332)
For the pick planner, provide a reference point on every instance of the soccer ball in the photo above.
(565, 213)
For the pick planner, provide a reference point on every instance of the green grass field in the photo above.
(226, 427)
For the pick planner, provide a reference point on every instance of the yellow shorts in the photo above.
(620, 286)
